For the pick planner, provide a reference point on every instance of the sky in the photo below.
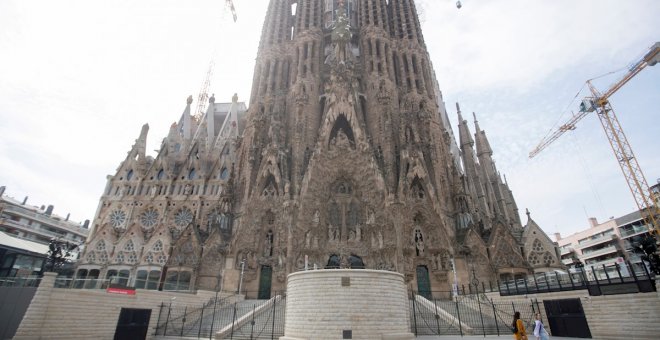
(78, 79)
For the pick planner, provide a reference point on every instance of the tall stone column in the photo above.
(31, 326)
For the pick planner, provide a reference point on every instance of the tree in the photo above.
(59, 253)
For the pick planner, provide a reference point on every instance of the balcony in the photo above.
(47, 220)
(636, 230)
(599, 252)
(598, 240)
(567, 251)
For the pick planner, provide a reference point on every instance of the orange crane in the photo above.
(599, 102)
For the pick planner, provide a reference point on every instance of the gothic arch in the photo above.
(342, 124)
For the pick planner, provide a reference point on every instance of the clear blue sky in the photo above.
(78, 80)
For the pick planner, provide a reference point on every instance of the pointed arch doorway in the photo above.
(265, 279)
(423, 282)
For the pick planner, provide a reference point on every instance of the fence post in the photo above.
(167, 320)
(272, 327)
(593, 272)
(558, 281)
(414, 311)
(634, 275)
(183, 321)
(481, 315)
(497, 326)
(201, 319)
(460, 326)
(160, 311)
(609, 280)
(618, 271)
(254, 307)
(215, 303)
(436, 316)
(233, 320)
(570, 277)
(490, 285)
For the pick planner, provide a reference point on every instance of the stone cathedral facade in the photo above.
(344, 159)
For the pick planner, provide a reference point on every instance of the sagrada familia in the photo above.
(345, 158)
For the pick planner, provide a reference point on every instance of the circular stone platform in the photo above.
(347, 304)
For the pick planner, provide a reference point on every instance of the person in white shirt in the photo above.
(539, 331)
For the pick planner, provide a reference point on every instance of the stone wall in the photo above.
(625, 316)
(322, 304)
(57, 313)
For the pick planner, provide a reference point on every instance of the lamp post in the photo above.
(240, 282)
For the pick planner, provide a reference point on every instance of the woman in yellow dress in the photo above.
(520, 333)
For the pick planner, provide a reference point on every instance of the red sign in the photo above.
(123, 291)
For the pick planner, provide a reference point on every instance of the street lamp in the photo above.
(240, 282)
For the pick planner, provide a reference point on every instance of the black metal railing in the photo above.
(246, 319)
(623, 278)
(20, 281)
(470, 314)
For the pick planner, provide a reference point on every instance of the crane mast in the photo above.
(599, 102)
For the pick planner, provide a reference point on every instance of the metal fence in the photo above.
(247, 319)
(24, 281)
(471, 314)
(602, 280)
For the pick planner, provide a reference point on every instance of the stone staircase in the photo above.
(469, 315)
(246, 319)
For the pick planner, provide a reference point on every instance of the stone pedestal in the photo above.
(347, 303)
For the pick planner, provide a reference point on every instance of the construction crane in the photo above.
(230, 5)
(599, 102)
(203, 97)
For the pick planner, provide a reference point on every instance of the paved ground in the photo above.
(474, 337)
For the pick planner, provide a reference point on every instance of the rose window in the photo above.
(162, 259)
(183, 217)
(149, 218)
(117, 218)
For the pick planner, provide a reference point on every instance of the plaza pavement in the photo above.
(475, 337)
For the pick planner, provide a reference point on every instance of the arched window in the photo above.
(333, 262)
(129, 175)
(161, 174)
(417, 189)
(270, 188)
(177, 280)
(356, 262)
(147, 279)
(224, 173)
(191, 174)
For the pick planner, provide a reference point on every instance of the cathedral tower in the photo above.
(343, 159)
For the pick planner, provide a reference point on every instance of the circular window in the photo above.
(149, 218)
(183, 217)
(117, 218)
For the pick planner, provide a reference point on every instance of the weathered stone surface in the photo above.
(345, 158)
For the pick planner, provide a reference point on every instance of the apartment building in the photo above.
(605, 244)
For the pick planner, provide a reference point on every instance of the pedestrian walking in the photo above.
(539, 331)
(518, 327)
